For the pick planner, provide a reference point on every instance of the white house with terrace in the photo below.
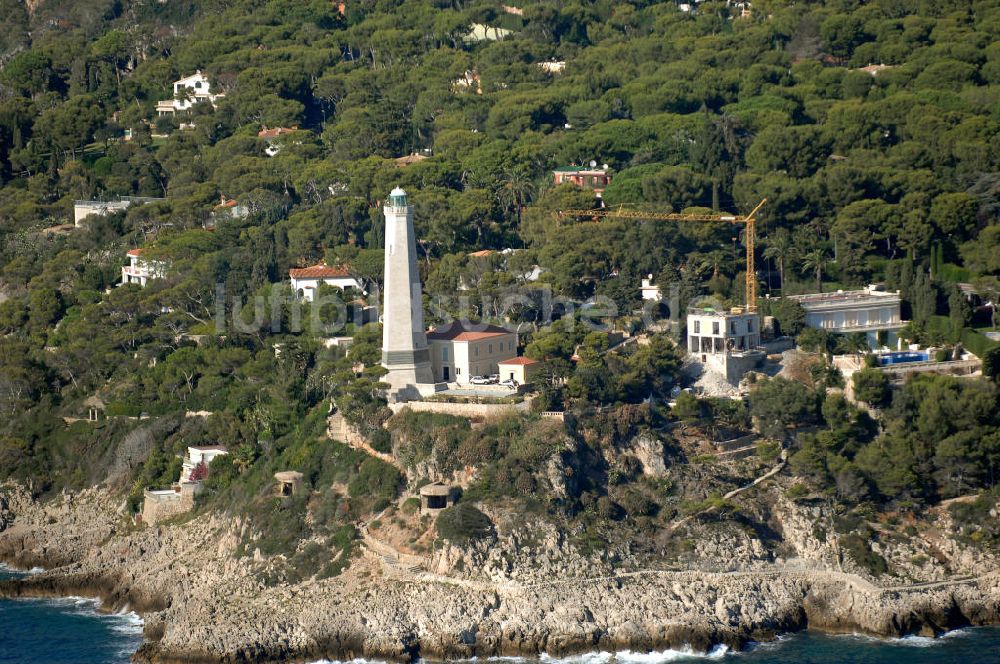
(197, 456)
(188, 91)
(870, 311)
(307, 280)
(140, 270)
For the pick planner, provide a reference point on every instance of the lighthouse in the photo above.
(404, 341)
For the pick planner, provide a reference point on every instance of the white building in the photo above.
(713, 331)
(307, 280)
(552, 66)
(460, 351)
(649, 289)
(726, 342)
(188, 91)
(521, 370)
(140, 270)
(870, 311)
(405, 353)
(272, 136)
(199, 455)
(83, 209)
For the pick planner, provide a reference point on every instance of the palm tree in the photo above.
(816, 261)
(779, 249)
(515, 191)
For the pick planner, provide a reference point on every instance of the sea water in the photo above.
(72, 631)
(980, 645)
(67, 630)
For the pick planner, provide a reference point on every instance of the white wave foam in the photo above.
(358, 660)
(630, 657)
(910, 640)
(586, 658)
(10, 569)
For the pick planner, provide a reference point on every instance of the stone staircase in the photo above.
(394, 562)
(736, 448)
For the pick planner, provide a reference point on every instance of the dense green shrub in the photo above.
(463, 523)
(871, 386)
(376, 479)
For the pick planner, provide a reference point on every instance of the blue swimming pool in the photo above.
(901, 357)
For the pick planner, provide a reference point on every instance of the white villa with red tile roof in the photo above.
(306, 280)
(460, 351)
(271, 135)
(141, 270)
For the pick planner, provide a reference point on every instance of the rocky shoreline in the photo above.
(203, 605)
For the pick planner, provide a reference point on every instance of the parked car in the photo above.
(493, 378)
(509, 383)
(479, 380)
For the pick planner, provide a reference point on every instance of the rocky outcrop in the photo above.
(528, 591)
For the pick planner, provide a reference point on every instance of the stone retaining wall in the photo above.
(460, 409)
(161, 505)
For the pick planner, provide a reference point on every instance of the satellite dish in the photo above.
(593, 163)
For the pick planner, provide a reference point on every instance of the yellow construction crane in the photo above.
(750, 240)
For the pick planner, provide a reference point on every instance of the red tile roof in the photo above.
(318, 272)
(482, 253)
(274, 132)
(520, 361)
(135, 252)
(457, 331)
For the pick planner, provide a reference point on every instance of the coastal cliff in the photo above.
(203, 603)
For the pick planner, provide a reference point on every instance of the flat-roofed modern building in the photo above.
(712, 331)
(726, 342)
(870, 311)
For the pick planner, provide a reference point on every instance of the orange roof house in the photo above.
(522, 370)
(461, 350)
(274, 132)
(307, 280)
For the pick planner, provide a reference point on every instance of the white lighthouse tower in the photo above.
(404, 341)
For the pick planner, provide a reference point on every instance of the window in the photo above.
(732, 327)
(697, 327)
(749, 325)
(491, 349)
(715, 328)
(444, 353)
(477, 351)
(458, 371)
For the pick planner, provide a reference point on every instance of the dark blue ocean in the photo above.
(72, 631)
(64, 631)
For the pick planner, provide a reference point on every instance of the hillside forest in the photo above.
(872, 128)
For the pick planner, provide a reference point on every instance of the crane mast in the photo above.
(750, 239)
